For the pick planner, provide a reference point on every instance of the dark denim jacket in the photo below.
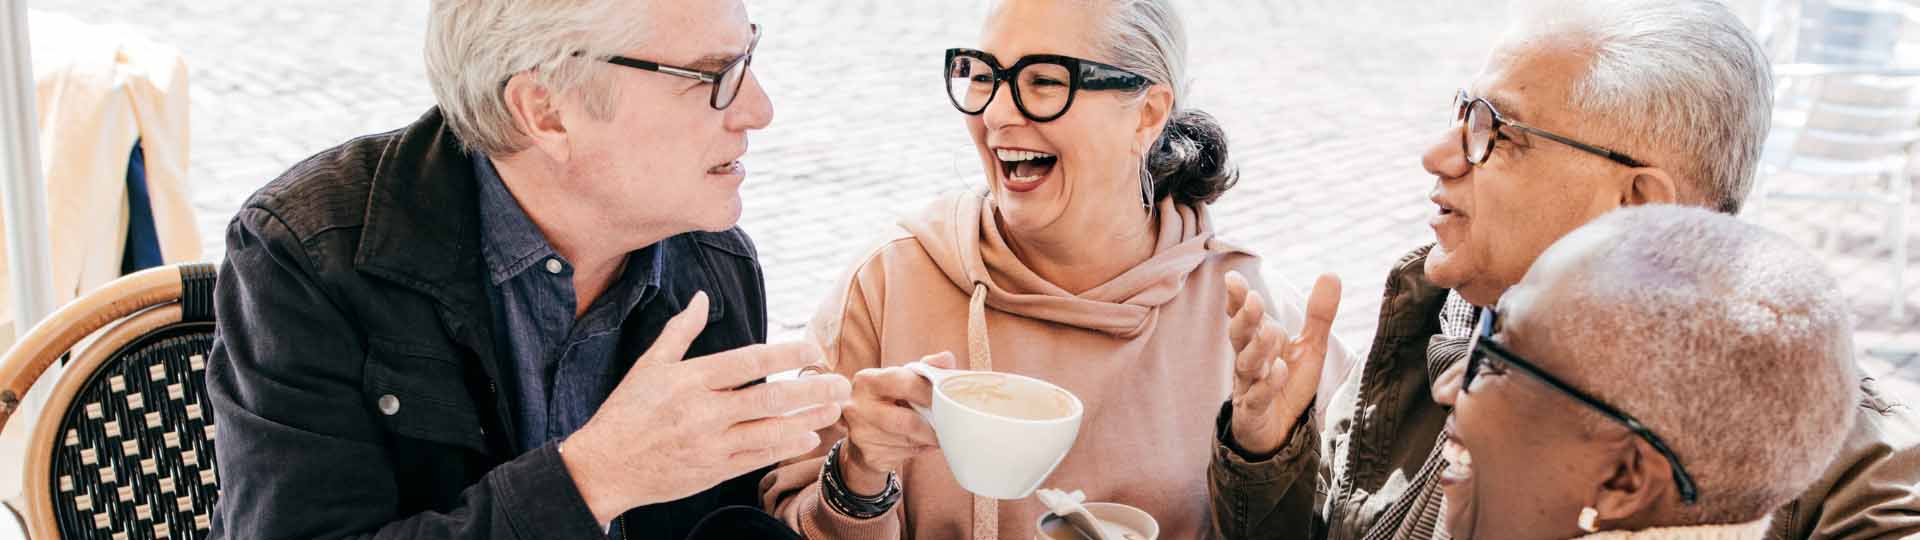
(354, 377)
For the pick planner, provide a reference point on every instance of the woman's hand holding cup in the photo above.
(883, 431)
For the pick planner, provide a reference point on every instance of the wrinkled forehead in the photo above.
(697, 33)
(1530, 78)
(1017, 28)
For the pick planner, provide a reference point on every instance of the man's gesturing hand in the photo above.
(672, 429)
(1274, 374)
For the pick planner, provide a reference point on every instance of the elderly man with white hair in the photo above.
(474, 327)
(1584, 107)
(1680, 375)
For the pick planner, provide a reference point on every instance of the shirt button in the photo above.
(554, 266)
(389, 405)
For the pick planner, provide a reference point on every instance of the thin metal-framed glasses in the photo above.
(1486, 354)
(1483, 123)
(1043, 85)
(726, 82)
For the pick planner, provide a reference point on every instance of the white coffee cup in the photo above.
(1016, 431)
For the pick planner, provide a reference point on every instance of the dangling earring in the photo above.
(1146, 187)
(1587, 516)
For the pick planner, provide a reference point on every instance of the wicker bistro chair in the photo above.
(124, 447)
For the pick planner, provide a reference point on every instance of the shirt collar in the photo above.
(510, 241)
(635, 284)
(645, 272)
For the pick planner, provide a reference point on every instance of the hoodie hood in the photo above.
(961, 232)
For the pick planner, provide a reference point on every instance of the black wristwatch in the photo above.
(834, 491)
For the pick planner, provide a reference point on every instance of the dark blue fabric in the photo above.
(562, 367)
(142, 250)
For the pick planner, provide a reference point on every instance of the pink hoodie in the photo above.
(1146, 352)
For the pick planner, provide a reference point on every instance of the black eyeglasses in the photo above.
(1044, 85)
(726, 82)
(1483, 124)
(1484, 353)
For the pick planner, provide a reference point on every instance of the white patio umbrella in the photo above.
(30, 279)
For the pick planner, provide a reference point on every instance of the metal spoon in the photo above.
(1083, 525)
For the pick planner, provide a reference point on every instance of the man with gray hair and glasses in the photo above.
(1584, 107)
(474, 327)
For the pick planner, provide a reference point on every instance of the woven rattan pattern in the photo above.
(134, 459)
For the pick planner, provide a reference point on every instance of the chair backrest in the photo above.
(1854, 32)
(124, 448)
(1865, 119)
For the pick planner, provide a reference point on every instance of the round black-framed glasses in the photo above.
(1043, 85)
(1482, 123)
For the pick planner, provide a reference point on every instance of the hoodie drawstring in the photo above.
(979, 353)
(986, 511)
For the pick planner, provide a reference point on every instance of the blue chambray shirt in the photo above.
(562, 369)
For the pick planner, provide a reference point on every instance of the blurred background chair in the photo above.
(1845, 122)
(1850, 32)
(124, 447)
(110, 134)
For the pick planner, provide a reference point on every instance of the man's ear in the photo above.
(1639, 483)
(535, 111)
(1155, 110)
(1650, 185)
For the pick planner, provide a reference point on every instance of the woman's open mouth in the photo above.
(1025, 170)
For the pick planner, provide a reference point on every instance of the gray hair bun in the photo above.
(1190, 161)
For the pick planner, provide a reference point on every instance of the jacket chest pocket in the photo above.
(420, 392)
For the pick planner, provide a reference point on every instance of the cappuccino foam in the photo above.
(1000, 395)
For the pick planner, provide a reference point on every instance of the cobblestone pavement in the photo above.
(1327, 104)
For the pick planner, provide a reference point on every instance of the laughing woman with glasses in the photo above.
(1088, 260)
(1662, 373)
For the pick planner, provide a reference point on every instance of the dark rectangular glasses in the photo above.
(1486, 354)
(726, 82)
(1043, 85)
